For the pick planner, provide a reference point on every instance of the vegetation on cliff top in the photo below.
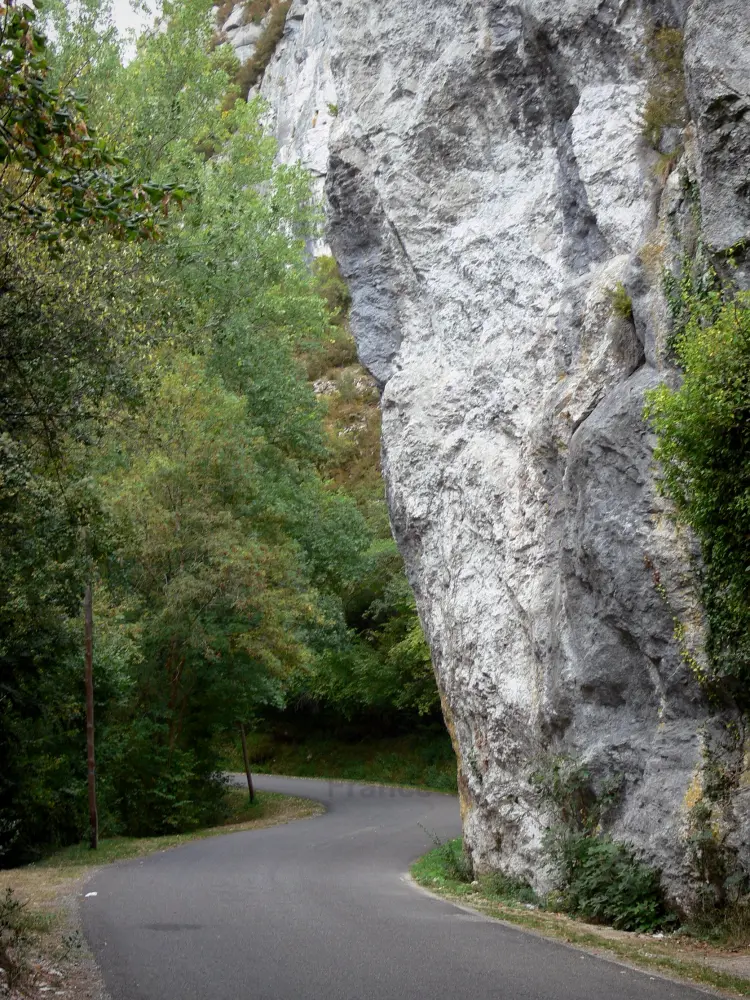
(274, 13)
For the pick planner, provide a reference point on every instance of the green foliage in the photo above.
(375, 660)
(447, 867)
(150, 789)
(603, 881)
(233, 812)
(508, 888)
(224, 10)
(57, 176)
(595, 877)
(380, 667)
(215, 554)
(159, 438)
(372, 663)
(332, 287)
(252, 70)
(72, 328)
(704, 451)
(74, 325)
(337, 349)
(720, 908)
(421, 757)
(622, 304)
(666, 105)
(708, 862)
(42, 750)
(163, 108)
(565, 786)
(193, 493)
(200, 540)
(256, 10)
(598, 880)
(398, 637)
(451, 858)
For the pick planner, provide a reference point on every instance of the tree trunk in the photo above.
(88, 617)
(250, 789)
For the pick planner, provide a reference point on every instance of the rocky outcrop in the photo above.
(718, 74)
(297, 87)
(243, 35)
(488, 186)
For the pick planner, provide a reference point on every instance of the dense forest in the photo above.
(184, 428)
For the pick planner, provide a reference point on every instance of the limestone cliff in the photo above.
(488, 186)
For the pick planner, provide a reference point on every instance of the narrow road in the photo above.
(319, 910)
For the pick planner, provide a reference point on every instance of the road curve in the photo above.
(319, 910)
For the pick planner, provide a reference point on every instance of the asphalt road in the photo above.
(320, 910)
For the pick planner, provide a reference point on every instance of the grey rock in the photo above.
(235, 20)
(717, 53)
(300, 94)
(298, 86)
(243, 37)
(487, 186)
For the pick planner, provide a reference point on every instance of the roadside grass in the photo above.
(420, 760)
(50, 947)
(674, 955)
(39, 881)
(268, 809)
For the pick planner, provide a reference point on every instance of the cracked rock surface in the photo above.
(488, 186)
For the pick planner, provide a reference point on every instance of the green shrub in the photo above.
(457, 864)
(703, 430)
(666, 104)
(622, 304)
(42, 745)
(320, 746)
(595, 877)
(720, 909)
(601, 880)
(338, 349)
(224, 10)
(150, 789)
(256, 10)
(563, 784)
(331, 286)
(452, 861)
(509, 888)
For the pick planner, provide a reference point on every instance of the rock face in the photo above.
(488, 186)
(242, 37)
(718, 70)
(299, 89)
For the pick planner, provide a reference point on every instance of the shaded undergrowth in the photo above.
(424, 760)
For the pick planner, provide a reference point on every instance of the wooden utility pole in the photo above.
(88, 619)
(250, 789)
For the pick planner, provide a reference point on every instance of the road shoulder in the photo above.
(672, 957)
